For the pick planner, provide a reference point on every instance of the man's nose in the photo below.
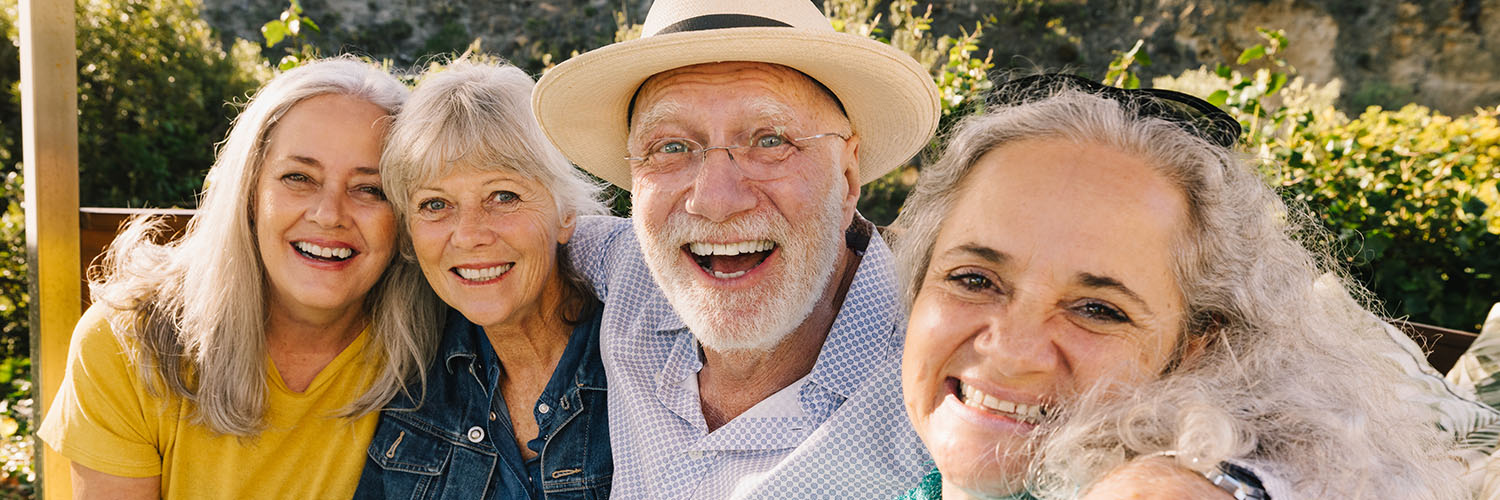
(719, 191)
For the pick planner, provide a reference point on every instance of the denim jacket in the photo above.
(459, 444)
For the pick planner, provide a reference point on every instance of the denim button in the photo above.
(543, 408)
(476, 434)
(493, 416)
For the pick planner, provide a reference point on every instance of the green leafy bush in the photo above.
(153, 83)
(962, 78)
(1409, 195)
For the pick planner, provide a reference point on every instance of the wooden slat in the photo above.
(49, 124)
(97, 228)
(1444, 345)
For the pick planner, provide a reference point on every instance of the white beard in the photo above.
(746, 320)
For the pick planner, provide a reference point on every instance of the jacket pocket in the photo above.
(400, 446)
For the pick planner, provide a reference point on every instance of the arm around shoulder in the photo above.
(594, 248)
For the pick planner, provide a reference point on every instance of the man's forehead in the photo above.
(771, 89)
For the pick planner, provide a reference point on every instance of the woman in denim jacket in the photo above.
(513, 404)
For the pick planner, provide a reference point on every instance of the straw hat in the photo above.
(890, 99)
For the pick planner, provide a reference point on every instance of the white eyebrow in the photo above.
(651, 118)
(767, 109)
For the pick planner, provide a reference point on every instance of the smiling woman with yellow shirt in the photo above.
(246, 359)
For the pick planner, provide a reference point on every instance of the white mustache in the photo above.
(682, 228)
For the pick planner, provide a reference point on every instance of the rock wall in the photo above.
(1388, 52)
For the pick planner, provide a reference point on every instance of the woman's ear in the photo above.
(569, 223)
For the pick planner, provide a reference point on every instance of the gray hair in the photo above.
(1292, 378)
(198, 304)
(478, 115)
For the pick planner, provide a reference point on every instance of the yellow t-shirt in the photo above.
(104, 418)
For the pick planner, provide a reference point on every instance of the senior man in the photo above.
(751, 332)
(759, 356)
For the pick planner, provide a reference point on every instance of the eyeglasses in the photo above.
(762, 157)
(1194, 115)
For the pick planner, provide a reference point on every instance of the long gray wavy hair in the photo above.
(197, 305)
(1292, 380)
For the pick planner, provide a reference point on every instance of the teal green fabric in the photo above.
(931, 488)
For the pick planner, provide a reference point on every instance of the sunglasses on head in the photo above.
(1195, 115)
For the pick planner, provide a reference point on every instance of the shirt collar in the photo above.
(869, 327)
(459, 345)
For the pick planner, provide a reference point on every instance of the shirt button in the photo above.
(476, 434)
(543, 408)
(695, 454)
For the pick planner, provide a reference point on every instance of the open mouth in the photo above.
(482, 275)
(730, 260)
(322, 253)
(1021, 412)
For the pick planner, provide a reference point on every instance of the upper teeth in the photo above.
(702, 249)
(1031, 414)
(322, 251)
(485, 274)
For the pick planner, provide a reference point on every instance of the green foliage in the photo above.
(16, 472)
(1374, 92)
(1120, 73)
(15, 331)
(17, 476)
(962, 77)
(1409, 196)
(289, 26)
(152, 88)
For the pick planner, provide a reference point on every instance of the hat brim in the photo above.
(891, 101)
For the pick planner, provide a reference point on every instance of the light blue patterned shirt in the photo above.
(851, 438)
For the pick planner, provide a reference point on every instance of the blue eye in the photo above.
(1100, 311)
(770, 141)
(432, 205)
(296, 177)
(505, 196)
(672, 146)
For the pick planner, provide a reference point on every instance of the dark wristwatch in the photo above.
(1238, 481)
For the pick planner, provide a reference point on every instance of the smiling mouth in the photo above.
(1021, 412)
(322, 253)
(730, 260)
(484, 274)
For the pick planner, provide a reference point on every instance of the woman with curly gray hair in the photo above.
(1099, 288)
(247, 358)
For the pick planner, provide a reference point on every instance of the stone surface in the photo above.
(1388, 52)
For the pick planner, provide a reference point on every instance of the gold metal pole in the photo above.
(49, 124)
